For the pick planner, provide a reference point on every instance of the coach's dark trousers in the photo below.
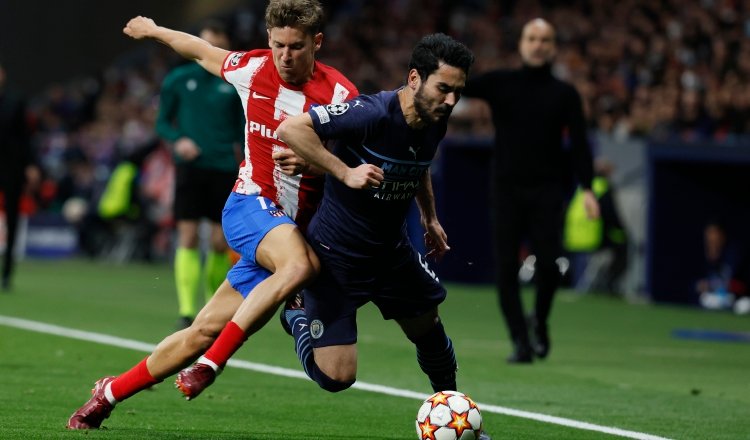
(11, 189)
(533, 211)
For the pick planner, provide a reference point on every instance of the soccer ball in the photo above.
(449, 415)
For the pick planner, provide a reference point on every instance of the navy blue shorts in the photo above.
(399, 283)
(246, 219)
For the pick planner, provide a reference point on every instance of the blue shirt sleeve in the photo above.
(352, 119)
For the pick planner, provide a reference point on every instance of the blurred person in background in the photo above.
(598, 248)
(723, 279)
(202, 118)
(540, 142)
(693, 122)
(265, 212)
(17, 167)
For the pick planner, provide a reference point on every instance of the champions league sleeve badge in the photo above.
(337, 109)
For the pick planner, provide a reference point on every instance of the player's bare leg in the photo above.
(338, 362)
(181, 348)
(173, 353)
(293, 264)
(334, 367)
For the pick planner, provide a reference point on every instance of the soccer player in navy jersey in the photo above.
(384, 146)
(380, 163)
(266, 210)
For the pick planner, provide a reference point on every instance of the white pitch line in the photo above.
(100, 338)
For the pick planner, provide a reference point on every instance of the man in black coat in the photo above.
(540, 146)
(16, 166)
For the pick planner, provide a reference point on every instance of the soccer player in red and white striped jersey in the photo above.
(260, 213)
(268, 99)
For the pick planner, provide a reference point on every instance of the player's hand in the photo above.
(186, 149)
(289, 163)
(436, 241)
(139, 27)
(365, 176)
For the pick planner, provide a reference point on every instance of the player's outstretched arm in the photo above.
(188, 46)
(298, 133)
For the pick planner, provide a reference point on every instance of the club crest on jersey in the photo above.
(316, 328)
(235, 60)
(337, 109)
(276, 213)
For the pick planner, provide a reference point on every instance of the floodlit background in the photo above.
(664, 86)
(666, 90)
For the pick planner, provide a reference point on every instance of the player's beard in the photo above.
(422, 105)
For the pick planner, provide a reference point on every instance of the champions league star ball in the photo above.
(449, 415)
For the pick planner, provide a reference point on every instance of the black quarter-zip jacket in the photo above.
(540, 131)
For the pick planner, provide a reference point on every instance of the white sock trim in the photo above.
(209, 362)
(108, 393)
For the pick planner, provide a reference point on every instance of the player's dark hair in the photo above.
(306, 15)
(434, 48)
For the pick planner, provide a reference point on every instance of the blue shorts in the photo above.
(246, 219)
(399, 283)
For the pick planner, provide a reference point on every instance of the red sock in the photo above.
(229, 341)
(132, 381)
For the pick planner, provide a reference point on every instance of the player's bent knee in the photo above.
(334, 386)
(305, 272)
(330, 384)
(297, 276)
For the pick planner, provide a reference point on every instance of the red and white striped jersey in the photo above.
(267, 100)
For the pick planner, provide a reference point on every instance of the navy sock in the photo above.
(297, 321)
(437, 359)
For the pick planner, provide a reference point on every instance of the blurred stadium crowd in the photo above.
(653, 69)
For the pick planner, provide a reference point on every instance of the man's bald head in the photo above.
(537, 45)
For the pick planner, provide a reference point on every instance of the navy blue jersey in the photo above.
(371, 129)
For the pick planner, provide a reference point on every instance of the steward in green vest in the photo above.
(582, 235)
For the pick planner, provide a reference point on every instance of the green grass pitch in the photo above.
(614, 365)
